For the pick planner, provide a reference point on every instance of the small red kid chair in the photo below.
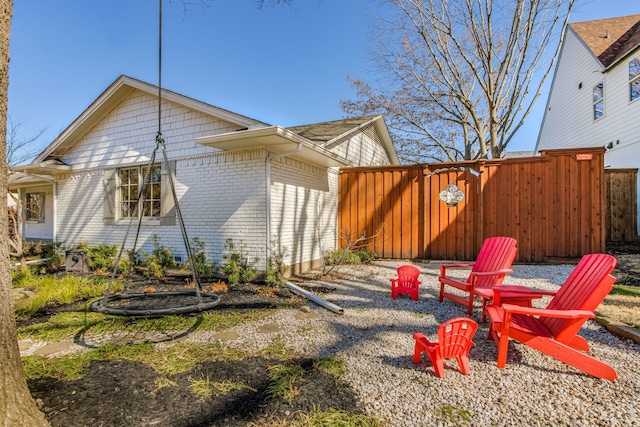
(455, 340)
(406, 283)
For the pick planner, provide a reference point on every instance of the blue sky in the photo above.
(281, 65)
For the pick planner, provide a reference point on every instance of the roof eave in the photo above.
(275, 139)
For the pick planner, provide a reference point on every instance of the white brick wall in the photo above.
(304, 202)
(220, 196)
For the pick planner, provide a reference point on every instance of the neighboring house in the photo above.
(268, 188)
(595, 94)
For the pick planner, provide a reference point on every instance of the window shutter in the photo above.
(167, 204)
(109, 216)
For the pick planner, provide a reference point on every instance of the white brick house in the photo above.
(595, 94)
(266, 187)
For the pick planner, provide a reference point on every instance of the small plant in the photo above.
(52, 252)
(283, 381)
(205, 387)
(101, 258)
(331, 365)
(342, 256)
(454, 415)
(163, 382)
(199, 259)
(276, 268)
(237, 266)
(159, 261)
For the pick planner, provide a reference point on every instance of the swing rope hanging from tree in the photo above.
(161, 303)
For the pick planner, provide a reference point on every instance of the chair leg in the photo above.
(463, 362)
(503, 347)
(436, 361)
(470, 304)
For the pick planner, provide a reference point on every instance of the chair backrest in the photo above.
(408, 275)
(585, 288)
(455, 337)
(495, 254)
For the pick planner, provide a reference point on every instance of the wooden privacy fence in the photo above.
(552, 204)
(621, 204)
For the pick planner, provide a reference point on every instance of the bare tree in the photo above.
(20, 147)
(460, 76)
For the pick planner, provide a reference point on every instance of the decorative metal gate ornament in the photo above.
(451, 195)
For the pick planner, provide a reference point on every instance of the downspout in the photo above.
(267, 168)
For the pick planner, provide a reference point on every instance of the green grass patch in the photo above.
(283, 381)
(335, 418)
(68, 324)
(454, 415)
(625, 290)
(331, 365)
(168, 361)
(50, 289)
(205, 387)
(163, 382)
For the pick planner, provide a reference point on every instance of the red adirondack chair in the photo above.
(553, 330)
(455, 340)
(406, 283)
(492, 265)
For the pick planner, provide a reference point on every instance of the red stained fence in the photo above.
(554, 205)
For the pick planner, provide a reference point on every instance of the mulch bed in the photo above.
(123, 393)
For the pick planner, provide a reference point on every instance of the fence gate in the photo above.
(621, 195)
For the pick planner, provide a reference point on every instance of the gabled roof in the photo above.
(309, 143)
(112, 96)
(610, 39)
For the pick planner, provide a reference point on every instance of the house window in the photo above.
(131, 180)
(634, 79)
(34, 207)
(598, 101)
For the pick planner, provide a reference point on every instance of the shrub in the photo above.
(159, 261)
(276, 269)
(199, 259)
(101, 258)
(237, 266)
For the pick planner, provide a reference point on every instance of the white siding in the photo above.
(363, 149)
(568, 122)
(304, 209)
(34, 230)
(127, 134)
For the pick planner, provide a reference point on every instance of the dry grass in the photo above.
(625, 308)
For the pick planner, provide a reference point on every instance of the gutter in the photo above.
(267, 180)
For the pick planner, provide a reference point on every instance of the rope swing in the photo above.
(150, 304)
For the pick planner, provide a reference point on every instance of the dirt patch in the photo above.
(121, 392)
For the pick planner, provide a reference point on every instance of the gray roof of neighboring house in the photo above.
(326, 131)
(610, 39)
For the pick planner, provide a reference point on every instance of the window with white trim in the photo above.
(130, 182)
(598, 101)
(34, 207)
(634, 78)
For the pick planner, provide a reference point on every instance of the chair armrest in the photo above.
(543, 312)
(504, 271)
(515, 289)
(444, 267)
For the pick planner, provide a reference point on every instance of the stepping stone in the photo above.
(24, 345)
(226, 336)
(305, 316)
(53, 348)
(268, 328)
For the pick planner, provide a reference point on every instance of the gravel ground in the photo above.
(374, 338)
